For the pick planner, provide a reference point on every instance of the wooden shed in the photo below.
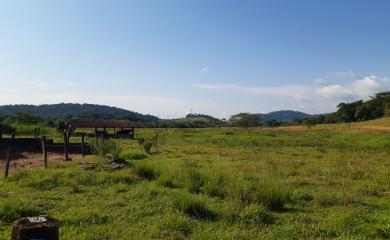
(121, 128)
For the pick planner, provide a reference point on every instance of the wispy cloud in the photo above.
(312, 98)
(349, 74)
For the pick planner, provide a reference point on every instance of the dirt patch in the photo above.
(34, 160)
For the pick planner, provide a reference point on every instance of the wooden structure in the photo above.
(121, 128)
(35, 145)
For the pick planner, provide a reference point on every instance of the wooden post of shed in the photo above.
(82, 145)
(44, 152)
(9, 153)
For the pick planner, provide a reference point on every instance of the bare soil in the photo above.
(26, 160)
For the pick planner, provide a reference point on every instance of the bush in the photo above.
(272, 194)
(145, 172)
(192, 206)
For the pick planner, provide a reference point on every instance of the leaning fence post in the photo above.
(44, 151)
(9, 155)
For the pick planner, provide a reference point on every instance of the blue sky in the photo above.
(214, 57)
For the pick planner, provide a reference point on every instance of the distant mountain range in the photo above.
(284, 115)
(69, 110)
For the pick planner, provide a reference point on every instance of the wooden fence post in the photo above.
(9, 155)
(82, 145)
(44, 152)
(66, 146)
(1, 130)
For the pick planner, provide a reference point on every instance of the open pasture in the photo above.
(324, 182)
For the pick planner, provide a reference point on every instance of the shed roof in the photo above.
(88, 123)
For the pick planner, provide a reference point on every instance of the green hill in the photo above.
(283, 115)
(68, 110)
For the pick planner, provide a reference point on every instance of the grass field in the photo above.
(326, 182)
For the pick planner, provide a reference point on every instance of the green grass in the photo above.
(328, 182)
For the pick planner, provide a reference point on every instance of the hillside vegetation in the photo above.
(319, 182)
(69, 110)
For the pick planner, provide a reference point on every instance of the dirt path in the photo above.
(34, 160)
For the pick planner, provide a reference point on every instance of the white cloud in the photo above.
(319, 81)
(225, 100)
(311, 98)
(349, 74)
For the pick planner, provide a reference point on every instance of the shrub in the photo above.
(272, 194)
(146, 172)
(192, 206)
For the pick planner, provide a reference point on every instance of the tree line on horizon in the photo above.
(376, 107)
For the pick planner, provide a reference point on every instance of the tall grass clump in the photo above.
(272, 194)
(192, 206)
(194, 179)
(131, 155)
(104, 148)
(255, 214)
(215, 185)
(11, 211)
(145, 171)
(167, 179)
